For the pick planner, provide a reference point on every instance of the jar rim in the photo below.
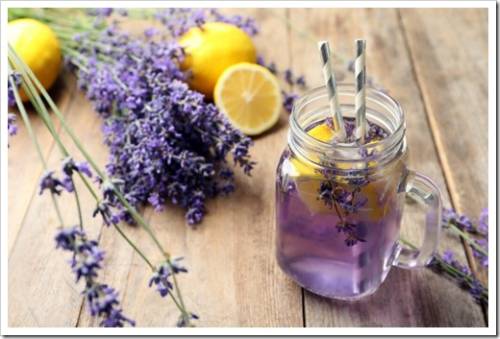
(312, 94)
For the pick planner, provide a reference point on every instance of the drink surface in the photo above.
(337, 234)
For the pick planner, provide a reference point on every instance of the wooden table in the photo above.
(434, 61)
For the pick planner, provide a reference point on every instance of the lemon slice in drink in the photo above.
(250, 97)
(308, 180)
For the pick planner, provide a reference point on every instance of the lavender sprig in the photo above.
(464, 227)
(459, 273)
(289, 77)
(346, 200)
(87, 259)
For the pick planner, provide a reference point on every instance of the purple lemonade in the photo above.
(339, 203)
(338, 228)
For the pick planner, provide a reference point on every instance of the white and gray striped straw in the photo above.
(331, 86)
(360, 98)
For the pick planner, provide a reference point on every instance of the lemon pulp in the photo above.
(250, 96)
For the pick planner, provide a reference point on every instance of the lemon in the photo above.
(37, 45)
(211, 49)
(250, 97)
(308, 179)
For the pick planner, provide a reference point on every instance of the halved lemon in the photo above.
(250, 96)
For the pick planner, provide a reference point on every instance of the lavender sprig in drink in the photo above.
(336, 232)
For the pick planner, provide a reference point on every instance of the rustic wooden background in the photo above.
(434, 61)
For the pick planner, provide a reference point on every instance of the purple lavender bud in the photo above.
(483, 259)
(289, 100)
(150, 32)
(85, 263)
(16, 78)
(66, 238)
(301, 81)
(162, 275)
(289, 77)
(185, 319)
(103, 12)
(461, 221)
(11, 124)
(51, 183)
(87, 260)
(476, 290)
(483, 222)
(260, 60)
(448, 257)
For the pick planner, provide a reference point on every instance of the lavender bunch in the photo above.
(166, 142)
(87, 258)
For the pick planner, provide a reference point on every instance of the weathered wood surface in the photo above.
(234, 279)
(390, 64)
(453, 80)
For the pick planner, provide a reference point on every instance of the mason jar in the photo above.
(339, 205)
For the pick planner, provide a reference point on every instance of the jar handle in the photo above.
(424, 191)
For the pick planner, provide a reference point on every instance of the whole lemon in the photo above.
(212, 48)
(37, 45)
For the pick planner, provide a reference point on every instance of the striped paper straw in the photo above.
(331, 86)
(360, 98)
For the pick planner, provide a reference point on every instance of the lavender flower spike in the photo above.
(102, 300)
(51, 183)
(162, 275)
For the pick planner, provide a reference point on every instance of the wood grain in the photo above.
(23, 174)
(42, 291)
(429, 300)
(451, 66)
(234, 279)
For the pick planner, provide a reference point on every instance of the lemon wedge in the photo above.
(250, 96)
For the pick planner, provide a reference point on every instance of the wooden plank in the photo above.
(407, 298)
(24, 172)
(451, 67)
(42, 291)
(233, 279)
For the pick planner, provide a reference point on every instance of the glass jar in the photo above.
(339, 205)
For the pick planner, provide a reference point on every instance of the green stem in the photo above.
(34, 139)
(177, 290)
(40, 108)
(137, 217)
(472, 242)
(447, 267)
(127, 239)
(89, 187)
(78, 206)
